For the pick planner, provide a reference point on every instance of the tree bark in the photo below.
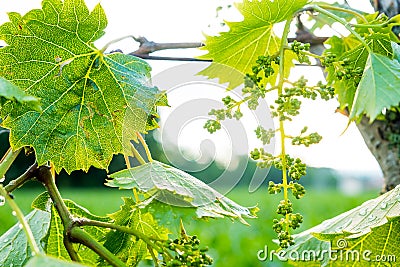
(376, 138)
(376, 135)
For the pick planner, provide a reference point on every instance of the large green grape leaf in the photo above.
(55, 236)
(378, 88)
(167, 184)
(93, 103)
(129, 249)
(239, 48)
(372, 228)
(10, 94)
(43, 260)
(14, 248)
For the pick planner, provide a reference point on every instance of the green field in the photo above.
(231, 243)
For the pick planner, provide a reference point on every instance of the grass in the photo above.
(231, 243)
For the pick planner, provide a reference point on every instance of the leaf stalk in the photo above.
(281, 81)
(7, 161)
(344, 23)
(21, 218)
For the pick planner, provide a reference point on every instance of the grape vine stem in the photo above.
(26, 176)
(72, 232)
(281, 81)
(344, 23)
(20, 216)
(138, 234)
(7, 160)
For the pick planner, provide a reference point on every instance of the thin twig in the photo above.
(124, 229)
(127, 162)
(21, 218)
(7, 161)
(26, 176)
(146, 148)
(79, 235)
(145, 56)
(137, 155)
(71, 250)
(146, 47)
(153, 256)
(45, 176)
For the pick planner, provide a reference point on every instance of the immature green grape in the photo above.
(187, 252)
(286, 106)
(212, 126)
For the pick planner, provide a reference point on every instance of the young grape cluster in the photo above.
(343, 68)
(288, 104)
(265, 135)
(187, 252)
(285, 107)
(231, 110)
(264, 64)
(298, 48)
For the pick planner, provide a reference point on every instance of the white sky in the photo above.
(185, 21)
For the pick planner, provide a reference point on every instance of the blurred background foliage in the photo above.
(230, 243)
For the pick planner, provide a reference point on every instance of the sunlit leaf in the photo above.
(177, 188)
(127, 247)
(239, 48)
(55, 237)
(14, 248)
(93, 103)
(12, 95)
(357, 58)
(372, 227)
(378, 88)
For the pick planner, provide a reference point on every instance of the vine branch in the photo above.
(79, 235)
(138, 234)
(281, 124)
(30, 174)
(7, 160)
(72, 232)
(46, 178)
(146, 47)
(137, 155)
(146, 148)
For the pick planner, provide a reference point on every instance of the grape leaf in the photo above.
(385, 27)
(240, 47)
(339, 46)
(175, 187)
(43, 260)
(322, 20)
(11, 94)
(14, 248)
(357, 57)
(93, 103)
(373, 226)
(54, 239)
(129, 249)
(378, 88)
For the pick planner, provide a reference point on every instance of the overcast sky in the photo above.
(186, 21)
